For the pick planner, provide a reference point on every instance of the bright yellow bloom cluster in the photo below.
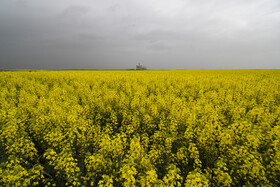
(140, 128)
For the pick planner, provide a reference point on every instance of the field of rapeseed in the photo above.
(140, 128)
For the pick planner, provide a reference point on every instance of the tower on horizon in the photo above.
(140, 67)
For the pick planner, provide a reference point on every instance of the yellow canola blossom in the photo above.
(140, 128)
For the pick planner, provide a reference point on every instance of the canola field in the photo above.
(140, 128)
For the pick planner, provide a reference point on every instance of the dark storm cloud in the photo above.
(169, 34)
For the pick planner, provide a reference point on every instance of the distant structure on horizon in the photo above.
(140, 67)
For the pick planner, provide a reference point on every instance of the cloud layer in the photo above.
(111, 34)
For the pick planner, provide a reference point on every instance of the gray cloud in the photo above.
(110, 34)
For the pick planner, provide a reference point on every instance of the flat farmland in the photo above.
(140, 128)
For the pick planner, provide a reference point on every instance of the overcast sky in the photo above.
(160, 34)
